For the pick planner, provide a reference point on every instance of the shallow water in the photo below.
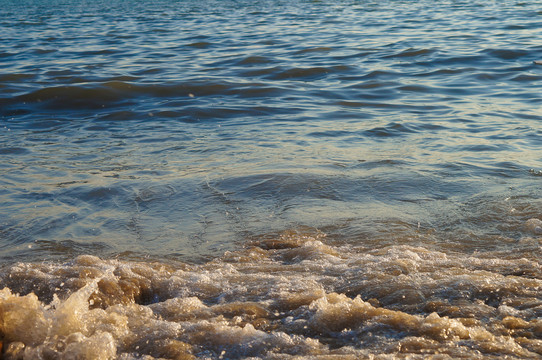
(270, 179)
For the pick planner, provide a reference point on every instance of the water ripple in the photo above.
(263, 115)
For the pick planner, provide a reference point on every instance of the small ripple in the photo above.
(119, 115)
(44, 51)
(506, 54)
(380, 74)
(392, 129)
(155, 192)
(431, 127)
(63, 72)
(411, 53)
(45, 125)
(196, 114)
(200, 45)
(71, 97)
(387, 105)
(258, 91)
(310, 73)
(70, 247)
(526, 78)
(445, 72)
(5, 54)
(374, 164)
(13, 151)
(97, 52)
(330, 133)
(319, 49)
(484, 148)
(417, 88)
(168, 114)
(152, 71)
(457, 60)
(254, 60)
(126, 78)
(16, 77)
(527, 116)
(262, 72)
(488, 76)
(374, 85)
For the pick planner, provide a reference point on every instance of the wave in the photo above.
(105, 97)
(290, 295)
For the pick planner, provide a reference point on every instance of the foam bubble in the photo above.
(534, 226)
(295, 296)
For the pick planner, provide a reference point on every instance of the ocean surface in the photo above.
(270, 179)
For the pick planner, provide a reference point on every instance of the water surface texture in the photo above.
(270, 179)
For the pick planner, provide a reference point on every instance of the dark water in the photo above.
(334, 179)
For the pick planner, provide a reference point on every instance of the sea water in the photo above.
(270, 179)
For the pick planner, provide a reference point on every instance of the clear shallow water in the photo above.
(388, 142)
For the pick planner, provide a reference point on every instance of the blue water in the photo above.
(183, 128)
(270, 179)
